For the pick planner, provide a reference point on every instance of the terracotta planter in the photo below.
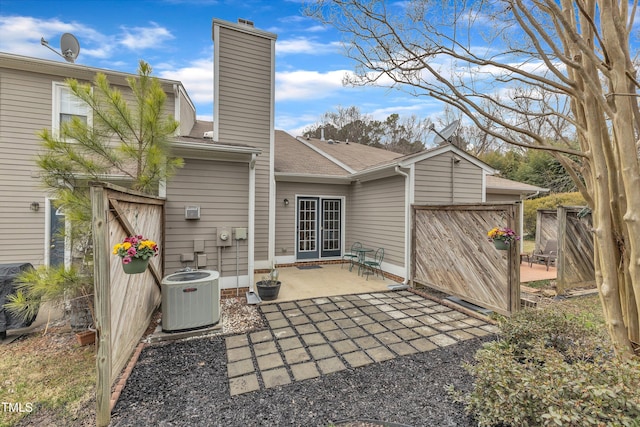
(500, 244)
(136, 266)
(268, 291)
(86, 337)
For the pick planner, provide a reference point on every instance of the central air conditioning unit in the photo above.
(190, 300)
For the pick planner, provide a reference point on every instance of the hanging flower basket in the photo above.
(502, 238)
(135, 251)
(135, 266)
(500, 244)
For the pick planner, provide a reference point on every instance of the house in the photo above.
(249, 196)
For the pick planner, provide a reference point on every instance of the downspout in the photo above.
(252, 218)
(407, 225)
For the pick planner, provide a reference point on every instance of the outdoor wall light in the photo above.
(35, 206)
(286, 202)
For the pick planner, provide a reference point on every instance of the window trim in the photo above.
(56, 107)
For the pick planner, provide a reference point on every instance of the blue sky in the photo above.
(174, 36)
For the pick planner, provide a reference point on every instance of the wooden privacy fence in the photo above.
(575, 248)
(451, 253)
(124, 302)
(546, 227)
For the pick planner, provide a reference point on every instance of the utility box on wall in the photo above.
(224, 236)
(192, 212)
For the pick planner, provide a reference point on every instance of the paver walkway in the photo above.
(313, 337)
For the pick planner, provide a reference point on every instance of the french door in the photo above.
(319, 227)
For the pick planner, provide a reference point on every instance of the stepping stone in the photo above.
(279, 323)
(296, 355)
(402, 349)
(327, 325)
(290, 343)
(304, 371)
(319, 317)
(478, 332)
(313, 339)
(335, 335)
(442, 340)
(423, 345)
(299, 320)
(355, 332)
(244, 384)
(264, 348)
(321, 351)
(238, 353)
(380, 354)
(346, 346)
(275, 377)
(306, 329)
(260, 336)
(269, 361)
(367, 342)
(374, 328)
(388, 338)
(242, 367)
(236, 341)
(461, 335)
(284, 333)
(357, 359)
(333, 364)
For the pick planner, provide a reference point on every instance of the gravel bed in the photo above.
(185, 384)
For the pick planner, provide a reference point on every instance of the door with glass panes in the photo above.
(318, 227)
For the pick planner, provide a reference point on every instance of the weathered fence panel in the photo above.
(546, 227)
(451, 253)
(124, 302)
(575, 248)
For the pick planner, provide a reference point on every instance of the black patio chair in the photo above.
(352, 256)
(375, 265)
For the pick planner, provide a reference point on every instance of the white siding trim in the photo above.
(407, 220)
(252, 219)
(216, 82)
(271, 249)
(484, 186)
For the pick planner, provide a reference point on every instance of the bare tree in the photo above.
(506, 64)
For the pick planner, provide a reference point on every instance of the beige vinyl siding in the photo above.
(26, 101)
(25, 109)
(187, 114)
(285, 244)
(244, 111)
(377, 217)
(434, 177)
(221, 191)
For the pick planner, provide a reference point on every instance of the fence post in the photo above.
(102, 298)
(561, 262)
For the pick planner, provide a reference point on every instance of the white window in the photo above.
(66, 106)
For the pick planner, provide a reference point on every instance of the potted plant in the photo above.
(135, 251)
(502, 237)
(269, 286)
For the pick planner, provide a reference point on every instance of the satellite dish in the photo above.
(446, 133)
(68, 45)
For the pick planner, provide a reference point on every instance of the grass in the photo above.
(51, 374)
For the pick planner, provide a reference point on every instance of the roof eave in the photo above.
(312, 178)
(207, 151)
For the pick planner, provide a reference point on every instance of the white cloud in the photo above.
(197, 78)
(308, 85)
(21, 35)
(303, 45)
(136, 38)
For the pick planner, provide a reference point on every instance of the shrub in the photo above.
(549, 202)
(549, 368)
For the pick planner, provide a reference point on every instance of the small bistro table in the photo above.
(362, 254)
